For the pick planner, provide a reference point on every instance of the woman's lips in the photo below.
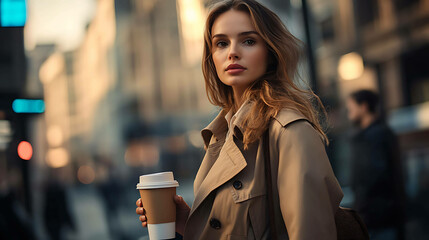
(235, 68)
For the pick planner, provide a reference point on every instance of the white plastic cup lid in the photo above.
(157, 180)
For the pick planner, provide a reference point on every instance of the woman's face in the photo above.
(239, 53)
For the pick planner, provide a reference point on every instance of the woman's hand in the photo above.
(182, 213)
(140, 211)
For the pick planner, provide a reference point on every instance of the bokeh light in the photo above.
(57, 157)
(350, 66)
(54, 136)
(195, 139)
(28, 106)
(86, 174)
(142, 153)
(25, 150)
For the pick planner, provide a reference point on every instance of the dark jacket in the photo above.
(377, 179)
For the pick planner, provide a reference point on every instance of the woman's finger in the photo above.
(144, 224)
(140, 211)
(139, 202)
(142, 218)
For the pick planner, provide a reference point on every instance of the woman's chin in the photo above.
(237, 82)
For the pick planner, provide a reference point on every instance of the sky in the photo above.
(60, 22)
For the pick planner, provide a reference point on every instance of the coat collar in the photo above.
(219, 126)
(287, 116)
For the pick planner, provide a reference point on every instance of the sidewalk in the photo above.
(88, 214)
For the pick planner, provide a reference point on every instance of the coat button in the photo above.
(214, 223)
(237, 185)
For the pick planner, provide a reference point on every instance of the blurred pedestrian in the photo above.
(249, 64)
(377, 179)
(109, 186)
(57, 214)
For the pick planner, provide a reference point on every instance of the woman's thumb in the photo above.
(180, 203)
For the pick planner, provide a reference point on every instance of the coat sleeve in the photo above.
(309, 193)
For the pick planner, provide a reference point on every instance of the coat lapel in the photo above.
(229, 163)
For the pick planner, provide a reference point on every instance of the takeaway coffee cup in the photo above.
(157, 192)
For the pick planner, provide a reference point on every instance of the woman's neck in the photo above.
(238, 98)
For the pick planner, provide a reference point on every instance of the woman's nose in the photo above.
(233, 56)
(233, 52)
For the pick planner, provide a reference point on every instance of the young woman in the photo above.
(249, 64)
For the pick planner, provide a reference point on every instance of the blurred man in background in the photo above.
(376, 177)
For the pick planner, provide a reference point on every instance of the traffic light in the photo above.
(13, 13)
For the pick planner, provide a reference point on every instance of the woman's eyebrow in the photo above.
(240, 34)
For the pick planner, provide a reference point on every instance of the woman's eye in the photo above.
(221, 44)
(249, 42)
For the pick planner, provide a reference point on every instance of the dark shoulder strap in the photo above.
(266, 146)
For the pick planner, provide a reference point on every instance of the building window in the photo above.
(327, 29)
(403, 4)
(366, 11)
(416, 75)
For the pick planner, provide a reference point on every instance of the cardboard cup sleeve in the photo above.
(159, 204)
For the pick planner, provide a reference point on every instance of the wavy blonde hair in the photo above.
(275, 89)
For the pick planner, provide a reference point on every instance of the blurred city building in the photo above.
(125, 98)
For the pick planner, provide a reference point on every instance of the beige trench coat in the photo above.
(230, 187)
